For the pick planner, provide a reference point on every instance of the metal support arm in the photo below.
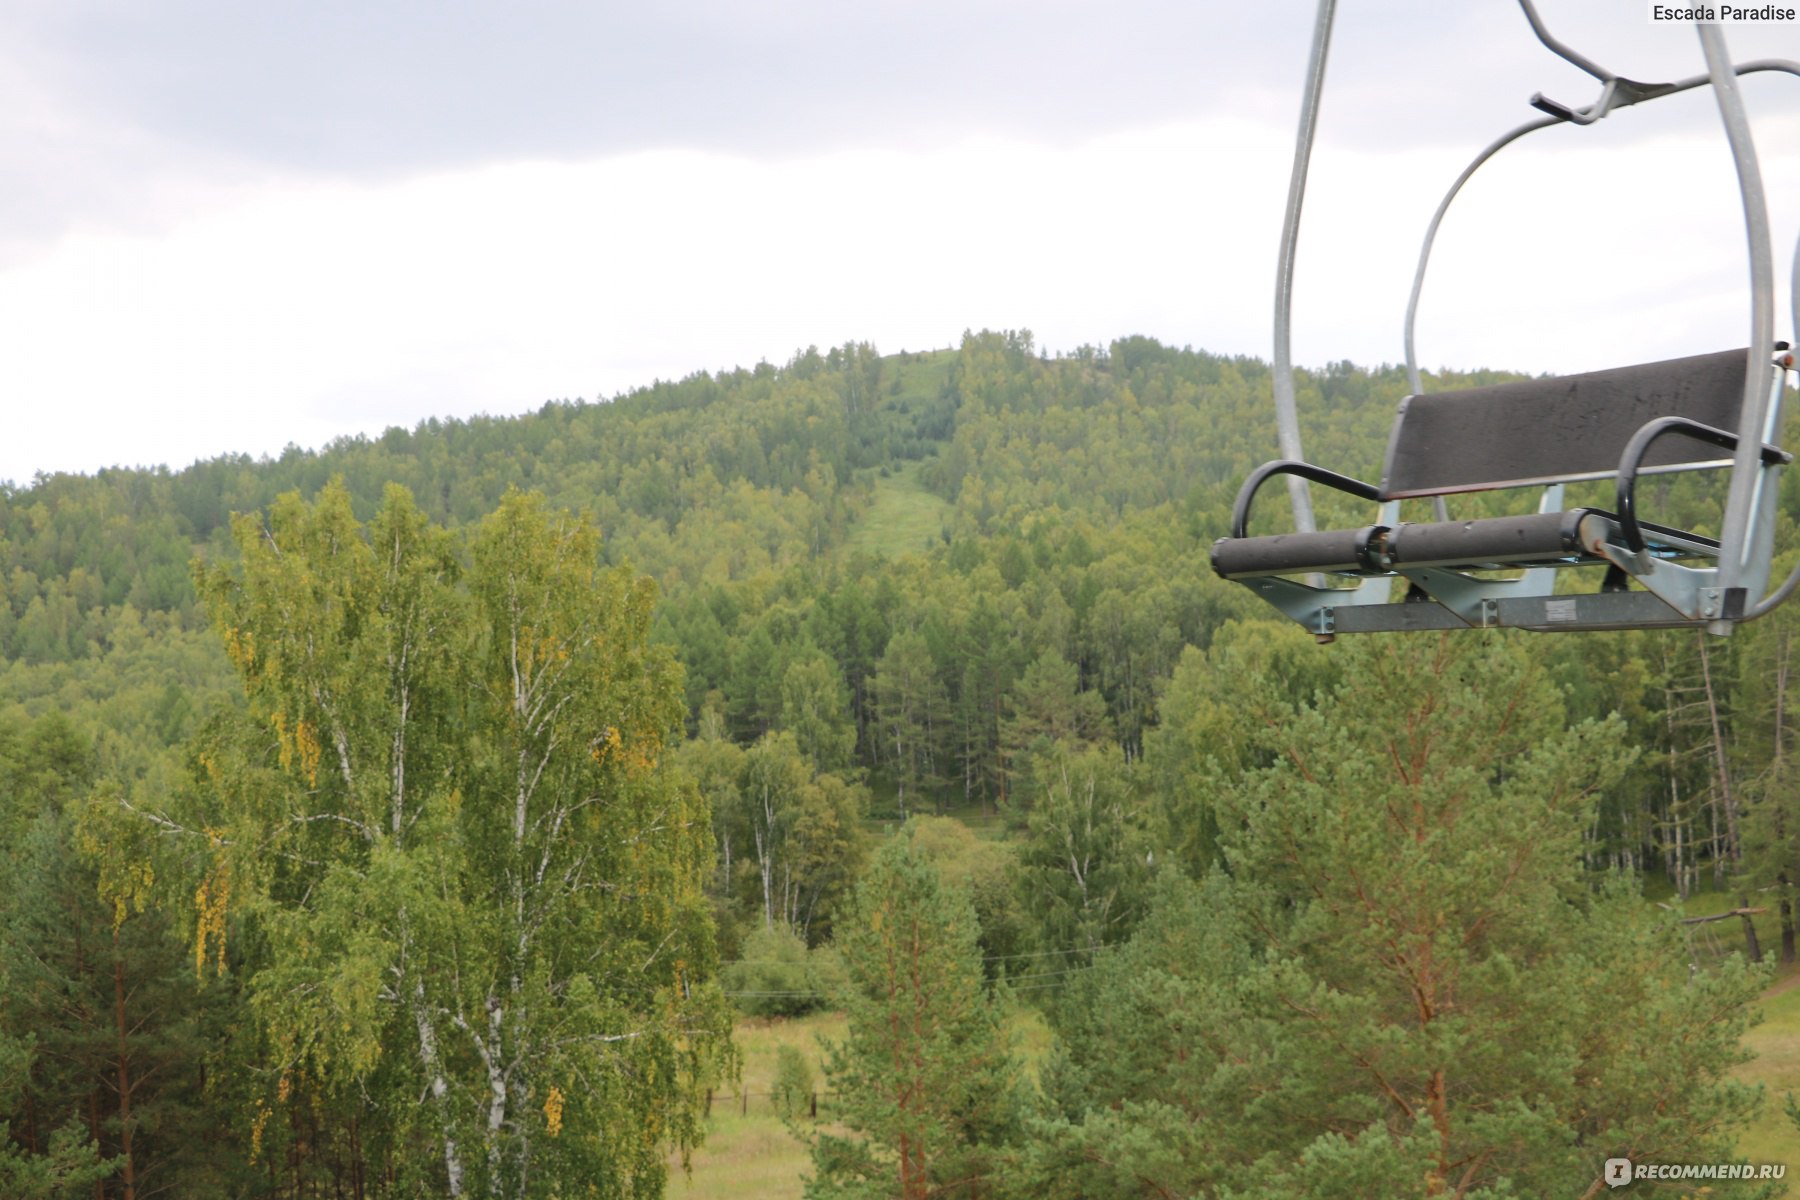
(1240, 511)
(1633, 459)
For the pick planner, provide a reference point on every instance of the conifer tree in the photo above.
(1048, 707)
(925, 1080)
(1401, 982)
(911, 706)
(1766, 659)
(60, 1162)
(815, 708)
(105, 1082)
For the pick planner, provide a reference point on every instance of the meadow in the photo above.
(1776, 1043)
(750, 1152)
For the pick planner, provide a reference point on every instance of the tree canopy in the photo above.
(441, 851)
(459, 815)
(1398, 971)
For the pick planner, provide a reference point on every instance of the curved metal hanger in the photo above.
(1787, 66)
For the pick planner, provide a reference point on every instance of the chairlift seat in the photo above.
(1537, 432)
(1605, 424)
(1558, 429)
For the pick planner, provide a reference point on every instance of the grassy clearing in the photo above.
(903, 518)
(1717, 938)
(1773, 1138)
(987, 821)
(749, 1154)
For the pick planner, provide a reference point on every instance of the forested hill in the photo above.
(995, 505)
(720, 478)
(916, 492)
(265, 728)
(1000, 505)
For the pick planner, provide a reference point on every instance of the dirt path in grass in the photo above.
(1782, 985)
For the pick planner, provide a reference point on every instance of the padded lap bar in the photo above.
(1545, 429)
(1535, 537)
(1337, 550)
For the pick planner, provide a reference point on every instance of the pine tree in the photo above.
(1048, 706)
(926, 1079)
(1765, 728)
(114, 1033)
(57, 1163)
(1401, 982)
(911, 706)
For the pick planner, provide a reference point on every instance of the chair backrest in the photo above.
(1560, 429)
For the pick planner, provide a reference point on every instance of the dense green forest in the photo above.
(411, 816)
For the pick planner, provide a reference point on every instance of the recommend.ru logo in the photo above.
(1621, 1171)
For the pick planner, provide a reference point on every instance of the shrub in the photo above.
(793, 1082)
(771, 978)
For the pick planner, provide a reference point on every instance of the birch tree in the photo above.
(1085, 869)
(439, 838)
(804, 836)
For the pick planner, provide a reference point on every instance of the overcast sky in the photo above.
(229, 227)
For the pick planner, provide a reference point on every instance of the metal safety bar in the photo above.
(1240, 511)
(1631, 462)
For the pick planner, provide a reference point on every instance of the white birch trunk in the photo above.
(428, 1058)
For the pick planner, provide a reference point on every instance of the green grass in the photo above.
(1773, 1138)
(903, 517)
(986, 819)
(1717, 938)
(751, 1155)
(1033, 1038)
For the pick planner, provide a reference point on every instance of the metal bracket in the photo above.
(1316, 608)
(1681, 588)
(1475, 601)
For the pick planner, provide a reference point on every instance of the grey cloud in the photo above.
(129, 99)
(347, 85)
(360, 87)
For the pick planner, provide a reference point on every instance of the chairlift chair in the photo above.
(1618, 424)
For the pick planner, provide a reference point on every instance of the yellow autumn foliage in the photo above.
(553, 1110)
